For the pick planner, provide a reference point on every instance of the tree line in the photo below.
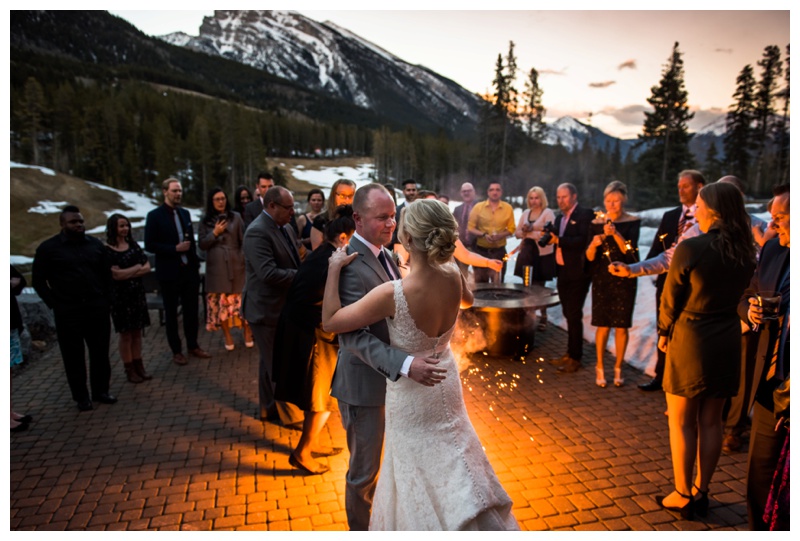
(131, 135)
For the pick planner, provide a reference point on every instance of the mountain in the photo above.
(334, 61)
(573, 134)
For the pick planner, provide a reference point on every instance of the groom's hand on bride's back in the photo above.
(426, 371)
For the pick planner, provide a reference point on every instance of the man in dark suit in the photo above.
(72, 275)
(365, 357)
(461, 212)
(271, 262)
(768, 432)
(673, 224)
(410, 194)
(254, 207)
(168, 234)
(571, 238)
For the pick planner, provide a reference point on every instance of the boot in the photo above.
(139, 366)
(133, 376)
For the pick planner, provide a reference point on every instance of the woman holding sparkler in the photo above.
(615, 237)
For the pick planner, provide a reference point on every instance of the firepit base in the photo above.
(506, 313)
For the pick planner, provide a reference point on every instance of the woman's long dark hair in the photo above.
(342, 223)
(211, 213)
(237, 198)
(735, 241)
(111, 230)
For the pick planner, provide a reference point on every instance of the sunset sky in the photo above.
(599, 62)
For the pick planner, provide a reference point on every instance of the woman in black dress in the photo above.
(305, 355)
(699, 330)
(614, 237)
(128, 304)
(316, 202)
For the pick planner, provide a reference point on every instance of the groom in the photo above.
(365, 357)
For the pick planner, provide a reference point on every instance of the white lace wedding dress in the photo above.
(434, 475)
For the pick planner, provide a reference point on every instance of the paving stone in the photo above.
(183, 451)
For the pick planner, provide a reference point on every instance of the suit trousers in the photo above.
(762, 459)
(365, 428)
(572, 293)
(661, 356)
(737, 415)
(185, 290)
(264, 336)
(485, 274)
(92, 327)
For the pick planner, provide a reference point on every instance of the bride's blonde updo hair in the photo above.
(432, 227)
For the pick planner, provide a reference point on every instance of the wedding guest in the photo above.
(72, 276)
(271, 262)
(342, 193)
(305, 355)
(570, 238)
(169, 235)
(19, 422)
(254, 209)
(461, 212)
(541, 259)
(699, 332)
(673, 224)
(615, 237)
(128, 303)
(491, 222)
(316, 202)
(768, 395)
(221, 235)
(242, 198)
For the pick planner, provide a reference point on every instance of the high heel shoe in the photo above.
(230, 347)
(600, 379)
(686, 512)
(701, 503)
(618, 380)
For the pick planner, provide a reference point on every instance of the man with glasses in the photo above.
(461, 213)
(271, 262)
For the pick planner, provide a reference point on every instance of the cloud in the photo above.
(563, 71)
(705, 118)
(630, 64)
(721, 50)
(604, 84)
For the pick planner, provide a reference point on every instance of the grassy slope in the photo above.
(30, 186)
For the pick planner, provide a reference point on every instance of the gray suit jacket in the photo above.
(269, 270)
(365, 357)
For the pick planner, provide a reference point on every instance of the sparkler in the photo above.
(661, 238)
(607, 253)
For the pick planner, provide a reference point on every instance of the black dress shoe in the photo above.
(24, 419)
(652, 385)
(85, 405)
(105, 398)
(20, 427)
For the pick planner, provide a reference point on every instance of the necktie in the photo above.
(292, 248)
(686, 221)
(385, 265)
(179, 227)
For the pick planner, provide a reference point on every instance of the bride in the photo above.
(434, 474)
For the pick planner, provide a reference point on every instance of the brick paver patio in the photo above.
(185, 452)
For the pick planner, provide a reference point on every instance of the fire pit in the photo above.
(506, 314)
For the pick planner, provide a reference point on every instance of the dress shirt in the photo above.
(484, 218)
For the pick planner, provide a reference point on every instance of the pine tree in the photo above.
(771, 70)
(31, 112)
(781, 130)
(665, 130)
(533, 110)
(738, 141)
(712, 167)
